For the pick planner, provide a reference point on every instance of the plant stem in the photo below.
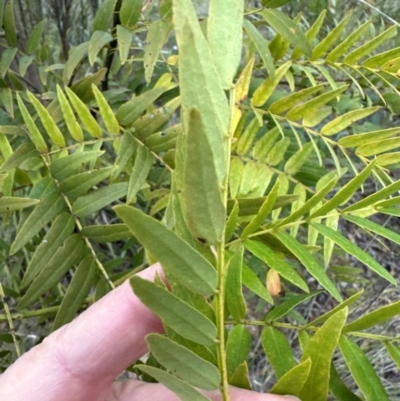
(28, 314)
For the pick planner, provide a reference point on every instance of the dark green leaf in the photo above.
(238, 347)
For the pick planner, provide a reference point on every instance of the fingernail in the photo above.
(292, 397)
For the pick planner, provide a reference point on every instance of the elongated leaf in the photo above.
(253, 283)
(143, 163)
(10, 203)
(338, 389)
(345, 193)
(313, 267)
(240, 377)
(361, 139)
(9, 24)
(103, 17)
(157, 34)
(362, 371)
(184, 363)
(96, 200)
(83, 112)
(33, 42)
(59, 264)
(106, 233)
(277, 350)
(262, 46)
(287, 28)
(175, 255)
(317, 384)
(234, 293)
(237, 348)
(388, 159)
(298, 159)
(184, 391)
(107, 113)
(376, 147)
(292, 382)
(243, 82)
(394, 353)
(83, 88)
(180, 316)
(284, 308)
(44, 212)
(354, 250)
(247, 138)
(59, 231)
(345, 120)
(76, 293)
(381, 59)
(97, 41)
(278, 151)
(124, 37)
(268, 256)
(232, 222)
(6, 59)
(130, 12)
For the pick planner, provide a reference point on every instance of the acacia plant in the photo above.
(249, 140)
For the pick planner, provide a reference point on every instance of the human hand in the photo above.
(80, 361)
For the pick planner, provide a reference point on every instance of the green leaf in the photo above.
(106, 233)
(296, 161)
(201, 194)
(59, 264)
(376, 147)
(60, 230)
(130, 12)
(9, 24)
(387, 159)
(274, 261)
(394, 353)
(345, 193)
(284, 308)
(83, 88)
(131, 110)
(124, 38)
(277, 350)
(381, 59)
(84, 114)
(143, 163)
(50, 126)
(305, 257)
(184, 391)
(261, 45)
(6, 59)
(77, 291)
(263, 147)
(232, 222)
(247, 137)
(288, 29)
(23, 153)
(166, 9)
(292, 382)
(45, 211)
(184, 363)
(238, 347)
(354, 250)
(274, 3)
(96, 200)
(107, 113)
(69, 117)
(317, 384)
(253, 283)
(103, 17)
(76, 55)
(235, 176)
(175, 255)
(240, 377)
(278, 151)
(234, 292)
(224, 36)
(345, 120)
(11, 203)
(157, 35)
(362, 371)
(79, 184)
(24, 63)
(268, 86)
(180, 316)
(36, 136)
(338, 389)
(33, 42)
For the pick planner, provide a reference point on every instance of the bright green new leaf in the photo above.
(184, 391)
(6, 59)
(234, 292)
(201, 194)
(76, 55)
(45, 211)
(106, 233)
(124, 38)
(278, 151)
(267, 88)
(284, 308)
(130, 12)
(345, 120)
(143, 163)
(345, 193)
(184, 363)
(224, 36)
(354, 250)
(247, 137)
(103, 17)
(320, 350)
(59, 264)
(235, 176)
(33, 42)
(387, 159)
(10, 203)
(107, 113)
(253, 283)
(274, 261)
(262, 46)
(381, 59)
(77, 291)
(88, 121)
(60, 230)
(69, 117)
(292, 382)
(394, 353)
(238, 347)
(180, 316)
(305, 257)
(98, 199)
(288, 29)
(296, 161)
(376, 147)
(277, 350)
(264, 146)
(9, 26)
(362, 371)
(175, 255)
(157, 34)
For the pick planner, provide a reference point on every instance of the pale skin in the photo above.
(80, 361)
